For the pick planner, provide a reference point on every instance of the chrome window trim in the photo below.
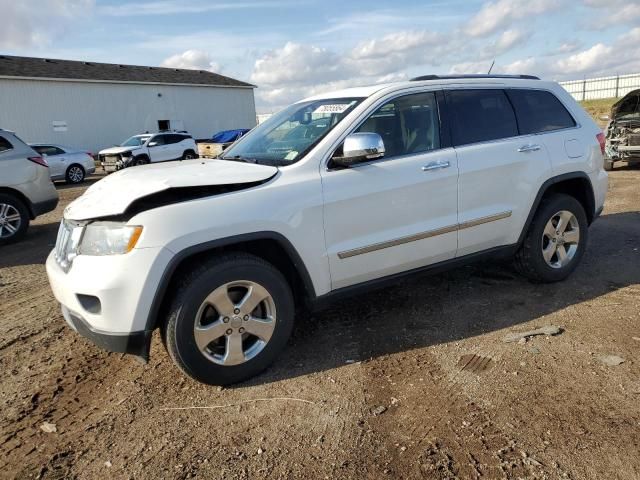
(423, 235)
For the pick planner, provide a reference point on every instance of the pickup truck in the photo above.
(214, 146)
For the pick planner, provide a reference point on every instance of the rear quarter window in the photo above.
(5, 144)
(481, 115)
(539, 111)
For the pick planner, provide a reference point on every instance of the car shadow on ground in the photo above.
(463, 303)
(90, 180)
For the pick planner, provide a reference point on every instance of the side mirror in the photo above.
(604, 117)
(360, 147)
(153, 144)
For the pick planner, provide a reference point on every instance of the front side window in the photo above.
(159, 140)
(289, 134)
(539, 111)
(480, 116)
(136, 141)
(5, 145)
(407, 124)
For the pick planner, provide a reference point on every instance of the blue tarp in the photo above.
(227, 136)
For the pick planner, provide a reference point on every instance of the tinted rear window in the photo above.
(481, 115)
(5, 144)
(539, 111)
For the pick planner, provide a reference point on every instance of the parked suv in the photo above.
(390, 180)
(26, 190)
(148, 148)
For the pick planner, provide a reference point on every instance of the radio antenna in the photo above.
(491, 67)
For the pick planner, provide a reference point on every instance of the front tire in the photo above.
(556, 240)
(608, 164)
(14, 219)
(189, 155)
(229, 319)
(75, 174)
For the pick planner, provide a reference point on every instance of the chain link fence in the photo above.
(602, 87)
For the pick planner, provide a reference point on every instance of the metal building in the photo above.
(96, 105)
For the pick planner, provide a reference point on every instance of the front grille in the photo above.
(67, 244)
(634, 140)
(111, 159)
(64, 235)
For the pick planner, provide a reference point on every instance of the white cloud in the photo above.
(613, 13)
(296, 64)
(394, 43)
(587, 60)
(508, 40)
(35, 23)
(175, 7)
(499, 14)
(192, 59)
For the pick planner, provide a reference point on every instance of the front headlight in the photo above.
(108, 238)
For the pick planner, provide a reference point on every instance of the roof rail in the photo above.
(477, 75)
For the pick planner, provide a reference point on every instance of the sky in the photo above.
(292, 49)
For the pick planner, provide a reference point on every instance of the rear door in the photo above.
(399, 212)
(500, 169)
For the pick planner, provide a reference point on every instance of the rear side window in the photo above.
(539, 111)
(5, 145)
(481, 115)
(49, 150)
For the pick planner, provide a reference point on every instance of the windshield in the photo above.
(136, 141)
(289, 134)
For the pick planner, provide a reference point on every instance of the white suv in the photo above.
(148, 148)
(334, 194)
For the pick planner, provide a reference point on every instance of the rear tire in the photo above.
(608, 164)
(555, 241)
(75, 174)
(189, 155)
(210, 335)
(14, 219)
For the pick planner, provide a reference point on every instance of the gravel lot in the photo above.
(372, 388)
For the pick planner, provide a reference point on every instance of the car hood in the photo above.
(116, 150)
(115, 193)
(628, 104)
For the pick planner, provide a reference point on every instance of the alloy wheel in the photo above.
(235, 322)
(10, 220)
(560, 239)
(76, 175)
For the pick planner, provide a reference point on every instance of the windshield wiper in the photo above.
(239, 158)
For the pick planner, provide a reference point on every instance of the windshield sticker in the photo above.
(332, 108)
(291, 155)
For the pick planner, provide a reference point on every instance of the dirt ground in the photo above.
(372, 388)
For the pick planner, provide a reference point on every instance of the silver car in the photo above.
(26, 189)
(66, 163)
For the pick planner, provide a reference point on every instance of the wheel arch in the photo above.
(20, 196)
(270, 246)
(576, 184)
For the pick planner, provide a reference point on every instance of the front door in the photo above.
(158, 149)
(399, 212)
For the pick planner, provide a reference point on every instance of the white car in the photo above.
(149, 148)
(66, 163)
(335, 194)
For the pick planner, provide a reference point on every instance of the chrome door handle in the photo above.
(529, 148)
(436, 165)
